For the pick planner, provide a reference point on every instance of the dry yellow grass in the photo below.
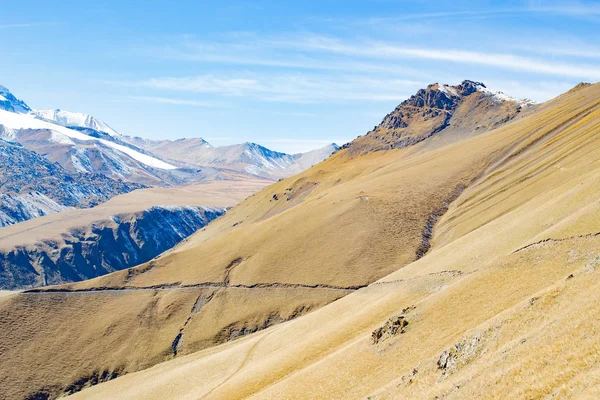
(348, 222)
(53, 226)
(510, 290)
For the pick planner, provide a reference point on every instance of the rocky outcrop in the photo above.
(395, 325)
(32, 186)
(468, 107)
(106, 246)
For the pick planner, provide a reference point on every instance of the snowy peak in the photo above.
(62, 135)
(10, 103)
(80, 120)
(500, 96)
(467, 87)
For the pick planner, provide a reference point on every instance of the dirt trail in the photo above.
(203, 285)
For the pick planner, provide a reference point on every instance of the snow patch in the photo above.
(448, 90)
(501, 97)
(24, 121)
(69, 118)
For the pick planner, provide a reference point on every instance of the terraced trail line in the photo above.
(274, 285)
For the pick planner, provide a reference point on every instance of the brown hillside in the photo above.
(505, 305)
(293, 247)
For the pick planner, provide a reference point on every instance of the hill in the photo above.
(420, 312)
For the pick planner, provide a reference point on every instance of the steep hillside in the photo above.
(122, 241)
(128, 230)
(290, 249)
(505, 305)
(31, 186)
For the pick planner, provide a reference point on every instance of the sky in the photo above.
(289, 75)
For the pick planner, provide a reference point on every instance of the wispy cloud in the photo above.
(256, 52)
(7, 26)
(26, 25)
(382, 50)
(573, 8)
(285, 88)
(370, 57)
(169, 100)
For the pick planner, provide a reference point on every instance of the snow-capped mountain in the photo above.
(83, 143)
(9, 102)
(79, 148)
(79, 151)
(250, 158)
(32, 186)
(497, 96)
(74, 119)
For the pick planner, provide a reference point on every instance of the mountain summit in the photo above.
(469, 108)
(9, 102)
(74, 119)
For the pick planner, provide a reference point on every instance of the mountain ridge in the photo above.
(441, 110)
(32, 186)
(80, 142)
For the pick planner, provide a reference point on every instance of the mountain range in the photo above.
(250, 158)
(32, 186)
(94, 162)
(82, 143)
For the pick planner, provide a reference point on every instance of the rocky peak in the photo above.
(432, 110)
(10, 103)
(444, 97)
(469, 87)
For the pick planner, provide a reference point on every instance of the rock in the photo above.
(121, 242)
(394, 326)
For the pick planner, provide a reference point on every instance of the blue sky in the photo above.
(289, 75)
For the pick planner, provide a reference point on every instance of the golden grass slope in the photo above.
(506, 305)
(315, 237)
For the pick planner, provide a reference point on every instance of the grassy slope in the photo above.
(347, 223)
(520, 325)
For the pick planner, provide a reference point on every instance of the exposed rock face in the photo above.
(106, 246)
(468, 107)
(32, 186)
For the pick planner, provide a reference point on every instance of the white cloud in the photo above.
(168, 100)
(289, 88)
(573, 8)
(382, 50)
(6, 26)
(369, 57)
